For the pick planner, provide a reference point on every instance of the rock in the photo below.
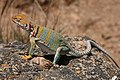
(44, 63)
(88, 67)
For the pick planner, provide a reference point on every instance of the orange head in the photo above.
(22, 21)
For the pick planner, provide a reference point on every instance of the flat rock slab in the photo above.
(88, 67)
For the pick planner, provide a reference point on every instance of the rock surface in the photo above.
(88, 67)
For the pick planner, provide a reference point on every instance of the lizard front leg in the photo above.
(31, 50)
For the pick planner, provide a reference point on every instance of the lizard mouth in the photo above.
(18, 25)
(14, 21)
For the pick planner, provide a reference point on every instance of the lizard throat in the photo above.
(35, 32)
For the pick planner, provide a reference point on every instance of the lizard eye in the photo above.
(25, 25)
(18, 20)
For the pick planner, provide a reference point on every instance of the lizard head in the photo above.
(22, 21)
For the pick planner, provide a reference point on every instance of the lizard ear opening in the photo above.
(30, 26)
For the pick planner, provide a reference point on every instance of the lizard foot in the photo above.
(26, 57)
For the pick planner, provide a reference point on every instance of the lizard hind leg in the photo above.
(60, 51)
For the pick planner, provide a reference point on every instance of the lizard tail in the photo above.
(104, 52)
(79, 53)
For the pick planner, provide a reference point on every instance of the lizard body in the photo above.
(48, 40)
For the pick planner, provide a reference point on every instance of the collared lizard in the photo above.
(48, 40)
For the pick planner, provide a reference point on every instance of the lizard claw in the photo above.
(26, 57)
